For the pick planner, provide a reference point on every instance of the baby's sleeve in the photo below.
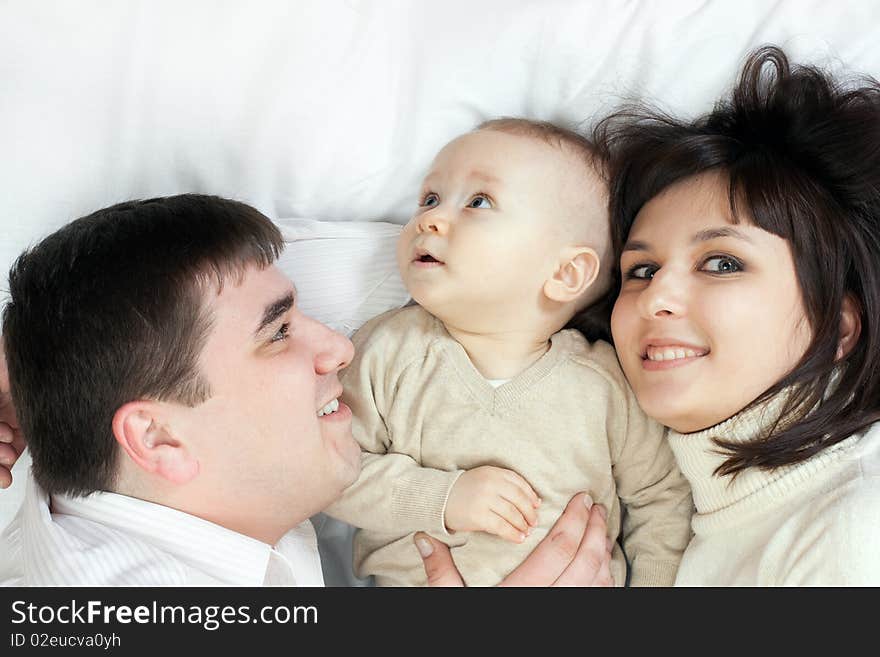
(656, 496)
(394, 494)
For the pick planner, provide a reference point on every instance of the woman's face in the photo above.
(710, 312)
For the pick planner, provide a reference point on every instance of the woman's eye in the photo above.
(429, 200)
(722, 265)
(641, 272)
(282, 333)
(480, 201)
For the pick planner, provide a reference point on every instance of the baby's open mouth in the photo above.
(426, 258)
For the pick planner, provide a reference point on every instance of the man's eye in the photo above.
(429, 200)
(641, 272)
(722, 265)
(282, 333)
(480, 201)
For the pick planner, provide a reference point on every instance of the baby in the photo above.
(479, 415)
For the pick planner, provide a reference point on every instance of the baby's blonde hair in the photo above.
(550, 133)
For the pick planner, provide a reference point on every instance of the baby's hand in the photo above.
(493, 500)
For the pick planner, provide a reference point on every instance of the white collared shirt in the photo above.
(115, 540)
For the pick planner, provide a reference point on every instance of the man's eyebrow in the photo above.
(275, 309)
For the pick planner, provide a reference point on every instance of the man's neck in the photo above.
(250, 526)
(501, 355)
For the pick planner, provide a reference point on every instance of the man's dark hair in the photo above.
(801, 153)
(110, 309)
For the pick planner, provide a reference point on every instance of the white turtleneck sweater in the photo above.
(815, 523)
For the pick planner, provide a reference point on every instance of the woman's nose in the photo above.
(663, 297)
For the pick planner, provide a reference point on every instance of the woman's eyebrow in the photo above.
(702, 236)
(714, 233)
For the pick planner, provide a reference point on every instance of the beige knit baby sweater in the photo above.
(814, 523)
(423, 414)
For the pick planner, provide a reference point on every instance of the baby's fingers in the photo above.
(509, 512)
(524, 487)
(502, 527)
(517, 497)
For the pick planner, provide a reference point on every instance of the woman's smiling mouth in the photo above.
(666, 356)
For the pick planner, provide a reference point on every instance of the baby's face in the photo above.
(488, 229)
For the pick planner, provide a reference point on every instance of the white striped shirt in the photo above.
(115, 540)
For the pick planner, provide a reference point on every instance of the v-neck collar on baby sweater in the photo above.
(504, 396)
(721, 500)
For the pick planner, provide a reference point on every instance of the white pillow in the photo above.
(345, 272)
(333, 108)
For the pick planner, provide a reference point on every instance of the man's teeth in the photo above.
(332, 407)
(672, 353)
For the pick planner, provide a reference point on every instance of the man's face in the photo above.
(272, 446)
(485, 236)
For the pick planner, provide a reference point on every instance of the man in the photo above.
(183, 415)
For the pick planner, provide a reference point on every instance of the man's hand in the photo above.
(576, 552)
(493, 500)
(11, 439)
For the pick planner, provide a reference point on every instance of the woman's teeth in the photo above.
(332, 407)
(671, 353)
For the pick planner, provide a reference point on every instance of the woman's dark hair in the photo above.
(110, 309)
(801, 153)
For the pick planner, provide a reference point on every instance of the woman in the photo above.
(747, 318)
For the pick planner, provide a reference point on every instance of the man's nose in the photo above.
(333, 352)
(664, 296)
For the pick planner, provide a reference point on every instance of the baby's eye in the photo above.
(282, 333)
(722, 264)
(429, 200)
(641, 272)
(480, 201)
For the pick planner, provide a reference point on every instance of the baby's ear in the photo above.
(577, 270)
(143, 434)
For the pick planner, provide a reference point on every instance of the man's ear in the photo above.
(850, 326)
(577, 271)
(141, 431)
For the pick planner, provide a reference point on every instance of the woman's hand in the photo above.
(576, 552)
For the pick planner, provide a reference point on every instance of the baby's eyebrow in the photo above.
(485, 177)
(482, 176)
